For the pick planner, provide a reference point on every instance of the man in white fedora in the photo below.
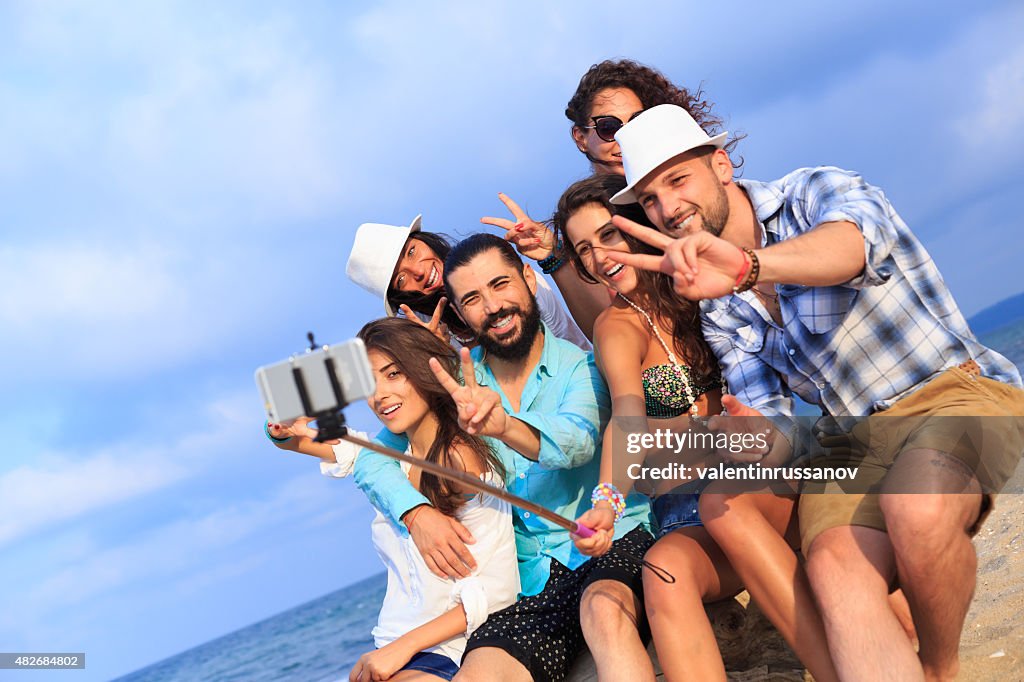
(813, 285)
(404, 267)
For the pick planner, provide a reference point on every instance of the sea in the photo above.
(321, 640)
(318, 641)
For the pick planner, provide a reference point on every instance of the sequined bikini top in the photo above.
(665, 394)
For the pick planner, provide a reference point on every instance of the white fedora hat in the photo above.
(654, 137)
(375, 254)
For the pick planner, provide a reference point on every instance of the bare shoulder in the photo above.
(617, 329)
(464, 458)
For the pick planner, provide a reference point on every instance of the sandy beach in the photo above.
(992, 644)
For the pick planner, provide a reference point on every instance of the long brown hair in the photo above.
(410, 346)
(671, 310)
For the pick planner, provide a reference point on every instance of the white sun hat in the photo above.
(654, 137)
(375, 254)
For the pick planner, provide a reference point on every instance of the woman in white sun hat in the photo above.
(404, 267)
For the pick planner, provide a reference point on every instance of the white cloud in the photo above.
(120, 310)
(62, 487)
(32, 498)
(996, 125)
(173, 553)
(225, 122)
(901, 119)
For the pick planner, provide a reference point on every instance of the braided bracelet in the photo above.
(609, 493)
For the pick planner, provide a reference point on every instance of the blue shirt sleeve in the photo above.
(570, 437)
(835, 195)
(384, 482)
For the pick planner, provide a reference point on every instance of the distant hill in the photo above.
(999, 315)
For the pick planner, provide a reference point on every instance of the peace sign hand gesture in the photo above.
(701, 265)
(533, 240)
(435, 326)
(480, 409)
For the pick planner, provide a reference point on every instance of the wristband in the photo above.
(407, 517)
(752, 274)
(273, 438)
(550, 264)
(744, 271)
(609, 493)
(553, 262)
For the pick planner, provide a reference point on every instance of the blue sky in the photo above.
(180, 184)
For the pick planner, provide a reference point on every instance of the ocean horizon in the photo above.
(318, 641)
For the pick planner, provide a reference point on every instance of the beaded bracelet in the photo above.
(755, 271)
(553, 262)
(609, 493)
(272, 437)
(550, 264)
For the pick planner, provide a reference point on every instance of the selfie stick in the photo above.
(475, 483)
(331, 424)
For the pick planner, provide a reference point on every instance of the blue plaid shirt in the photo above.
(855, 348)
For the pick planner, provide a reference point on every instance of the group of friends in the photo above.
(689, 294)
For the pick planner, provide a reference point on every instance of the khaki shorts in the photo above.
(978, 421)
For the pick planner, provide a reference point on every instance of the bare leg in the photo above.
(751, 530)
(413, 676)
(490, 664)
(609, 613)
(850, 568)
(899, 605)
(687, 649)
(935, 560)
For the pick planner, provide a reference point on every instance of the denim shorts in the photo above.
(676, 510)
(435, 664)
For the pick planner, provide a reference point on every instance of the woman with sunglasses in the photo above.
(609, 95)
(425, 621)
(612, 93)
(660, 374)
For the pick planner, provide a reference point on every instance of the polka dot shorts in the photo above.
(543, 631)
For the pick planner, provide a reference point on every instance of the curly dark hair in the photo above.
(410, 346)
(679, 316)
(650, 87)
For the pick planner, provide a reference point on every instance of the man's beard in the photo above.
(517, 348)
(714, 219)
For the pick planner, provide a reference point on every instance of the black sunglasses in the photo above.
(606, 126)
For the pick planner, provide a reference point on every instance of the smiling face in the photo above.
(687, 193)
(593, 236)
(419, 269)
(496, 301)
(396, 402)
(621, 103)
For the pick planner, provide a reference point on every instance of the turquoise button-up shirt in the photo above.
(567, 401)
